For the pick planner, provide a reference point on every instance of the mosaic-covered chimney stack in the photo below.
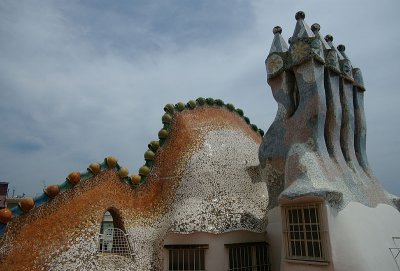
(317, 142)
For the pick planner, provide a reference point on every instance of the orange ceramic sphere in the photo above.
(5, 215)
(94, 168)
(74, 177)
(135, 179)
(52, 191)
(123, 172)
(111, 161)
(27, 204)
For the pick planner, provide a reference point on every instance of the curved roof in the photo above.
(210, 159)
(177, 128)
(200, 176)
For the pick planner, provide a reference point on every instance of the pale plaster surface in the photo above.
(216, 256)
(274, 237)
(361, 237)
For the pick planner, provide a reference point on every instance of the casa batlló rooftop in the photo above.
(215, 192)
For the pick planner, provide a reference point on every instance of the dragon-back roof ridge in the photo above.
(134, 181)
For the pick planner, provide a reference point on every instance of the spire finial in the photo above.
(278, 44)
(300, 15)
(333, 56)
(341, 48)
(345, 64)
(328, 38)
(302, 30)
(277, 29)
(315, 27)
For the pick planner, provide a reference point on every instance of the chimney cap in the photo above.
(341, 48)
(277, 29)
(329, 38)
(315, 27)
(300, 15)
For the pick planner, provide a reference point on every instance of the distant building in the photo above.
(3, 194)
(106, 237)
(13, 202)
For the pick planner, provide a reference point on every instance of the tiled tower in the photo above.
(317, 142)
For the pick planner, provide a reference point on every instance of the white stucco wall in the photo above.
(216, 256)
(274, 237)
(361, 237)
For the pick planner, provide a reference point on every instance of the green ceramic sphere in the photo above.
(169, 108)
(162, 134)
(144, 171)
(210, 101)
(149, 155)
(154, 145)
(180, 106)
(191, 104)
(230, 107)
(219, 102)
(201, 101)
(166, 118)
(239, 111)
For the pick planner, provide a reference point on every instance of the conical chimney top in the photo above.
(315, 29)
(278, 44)
(302, 30)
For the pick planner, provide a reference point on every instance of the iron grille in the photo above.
(304, 235)
(186, 257)
(249, 257)
(115, 241)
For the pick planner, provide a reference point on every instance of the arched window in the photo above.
(113, 239)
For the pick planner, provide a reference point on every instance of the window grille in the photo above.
(115, 241)
(186, 257)
(249, 257)
(304, 232)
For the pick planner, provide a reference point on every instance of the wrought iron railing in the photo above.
(115, 241)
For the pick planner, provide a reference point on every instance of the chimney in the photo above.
(316, 144)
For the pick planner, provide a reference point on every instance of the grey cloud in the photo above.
(84, 80)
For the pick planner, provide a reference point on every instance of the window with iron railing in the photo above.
(248, 257)
(304, 232)
(113, 240)
(186, 257)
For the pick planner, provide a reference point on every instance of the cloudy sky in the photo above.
(81, 80)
